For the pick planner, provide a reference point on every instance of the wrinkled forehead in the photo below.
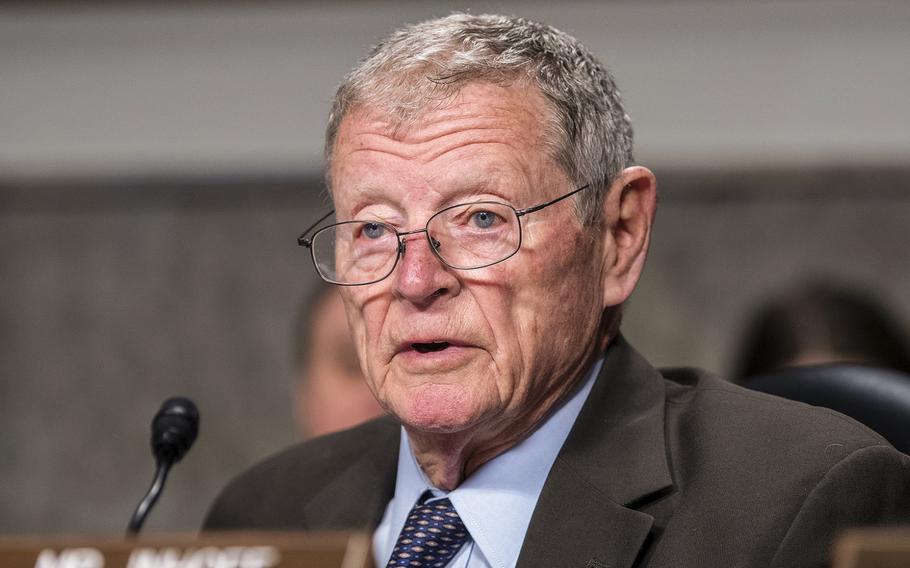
(406, 100)
(475, 133)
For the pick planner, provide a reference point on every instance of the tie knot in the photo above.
(432, 535)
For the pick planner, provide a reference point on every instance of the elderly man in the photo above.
(489, 224)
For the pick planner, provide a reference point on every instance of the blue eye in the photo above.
(484, 219)
(373, 230)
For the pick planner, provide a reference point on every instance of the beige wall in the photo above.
(243, 87)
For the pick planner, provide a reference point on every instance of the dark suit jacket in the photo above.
(678, 469)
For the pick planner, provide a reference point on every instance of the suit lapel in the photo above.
(585, 530)
(358, 496)
(613, 461)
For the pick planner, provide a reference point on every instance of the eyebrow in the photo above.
(485, 181)
(364, 196)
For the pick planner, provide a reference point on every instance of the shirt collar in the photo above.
(496, 502)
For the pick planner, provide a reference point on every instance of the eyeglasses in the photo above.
(466, 236)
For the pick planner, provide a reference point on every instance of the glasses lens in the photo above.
(474, 235)
(355, 252)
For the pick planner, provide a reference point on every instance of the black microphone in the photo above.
(174, 430)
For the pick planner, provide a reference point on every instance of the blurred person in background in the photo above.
(821, 322)
(830, 345)
(330, 392)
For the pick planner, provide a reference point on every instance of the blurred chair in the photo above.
(877, 397)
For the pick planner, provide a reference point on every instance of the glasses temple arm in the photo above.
(521, 212)
(305, 242)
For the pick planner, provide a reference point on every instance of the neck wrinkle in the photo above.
(442, 457)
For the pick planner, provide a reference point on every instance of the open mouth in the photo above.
(430, 347)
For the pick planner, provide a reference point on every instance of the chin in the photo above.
(440, 409)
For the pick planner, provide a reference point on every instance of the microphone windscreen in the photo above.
(174, 429)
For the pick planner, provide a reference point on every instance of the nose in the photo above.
(421, 276)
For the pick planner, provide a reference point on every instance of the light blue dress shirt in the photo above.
(496, 501)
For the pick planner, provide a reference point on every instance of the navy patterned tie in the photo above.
(432, 534)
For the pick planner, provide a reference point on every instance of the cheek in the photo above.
(365, 316)
(493, 300)
(557, 298)
(510, 311)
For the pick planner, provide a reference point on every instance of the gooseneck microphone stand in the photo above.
(174, 429)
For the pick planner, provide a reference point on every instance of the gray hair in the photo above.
(426, 63)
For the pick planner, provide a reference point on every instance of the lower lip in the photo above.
(450, 357)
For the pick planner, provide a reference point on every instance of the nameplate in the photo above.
(886, 547)
(213, 550)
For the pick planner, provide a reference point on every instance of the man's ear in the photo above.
(629, 209)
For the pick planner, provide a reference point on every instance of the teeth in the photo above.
(430, 347)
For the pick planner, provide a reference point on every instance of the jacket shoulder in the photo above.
(272, 494)
(789, 474)
(869, 487)
(711, 402)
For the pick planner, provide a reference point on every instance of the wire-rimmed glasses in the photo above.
(466, 236)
